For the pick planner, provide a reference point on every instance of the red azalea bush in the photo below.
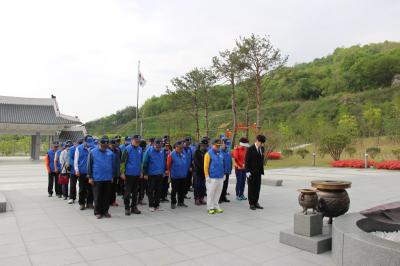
(389, 165)
(351, 163)
(274, 155)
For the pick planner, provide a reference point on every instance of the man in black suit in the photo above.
(254, 164)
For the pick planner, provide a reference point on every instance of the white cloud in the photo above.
(86, 52)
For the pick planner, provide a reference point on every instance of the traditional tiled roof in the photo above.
(16, 110)
(73, 133)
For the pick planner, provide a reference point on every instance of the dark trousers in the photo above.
(154, 186)
(240, 182)
(142, 189)
(179, 187)
(120, 186)
(254, 186)
(225, 187)
(101, 193)
(85, 190)
(114, 189)
(131, 191)
(64, 188)
(72, 186)
(199, 184)
(53, 181)
(189, 181)
(165, 187)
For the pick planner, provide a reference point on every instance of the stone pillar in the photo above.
(32, 146)
(35, 147)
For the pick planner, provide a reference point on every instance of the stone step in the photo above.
(315, 244)
(3, 203)
(264, 181)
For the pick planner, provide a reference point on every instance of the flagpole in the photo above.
(137, 99)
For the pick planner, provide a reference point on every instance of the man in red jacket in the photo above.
(239, 155)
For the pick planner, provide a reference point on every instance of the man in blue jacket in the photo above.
(178, 168)
(113, 146)
(189, 156)
(165, 187)
(73, 178)
(80, 167)
(51, 170)
(154, 167)
(101, 167)
(127, 142)
(131, 172)
(214, 172)
(227, 169)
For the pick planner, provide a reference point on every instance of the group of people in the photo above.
(106, 168)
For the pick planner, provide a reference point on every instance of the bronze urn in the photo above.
(333, 199)
(308, 199)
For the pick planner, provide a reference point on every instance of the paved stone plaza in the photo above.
(37, 230)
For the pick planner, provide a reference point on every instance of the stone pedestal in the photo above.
(316, 244)
(308, 224)
(308, 233)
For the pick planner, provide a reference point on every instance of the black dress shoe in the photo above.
(173, 206)
(127, 212)
(182, 205)
(135, 210)
(253, 207)
(258, 206)
(225, 200)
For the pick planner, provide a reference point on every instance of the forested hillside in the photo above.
(349, 91)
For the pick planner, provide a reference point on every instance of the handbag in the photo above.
(63, 179)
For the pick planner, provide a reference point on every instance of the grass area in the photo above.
(385, 144)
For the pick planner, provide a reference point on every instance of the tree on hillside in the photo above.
(373, 121)
(334, 145)
(206, 79)
(249, 88)
(187, 94)
(392, 120)
(260, 58)
(229, 67)
(348, 125)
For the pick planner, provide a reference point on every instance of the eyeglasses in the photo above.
(104, 141)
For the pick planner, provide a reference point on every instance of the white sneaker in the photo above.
(71, 201)
(152, 209)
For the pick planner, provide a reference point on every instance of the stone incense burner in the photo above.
(333, 199)
(308, 199)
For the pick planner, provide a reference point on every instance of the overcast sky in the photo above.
(86, 51)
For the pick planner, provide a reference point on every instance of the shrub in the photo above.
(351, 163)
(396, 154)
(302, 152)
(334, 145)
(287, 152)
(373, 152)
(389, 165)
(274, 155)
(350, 151)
